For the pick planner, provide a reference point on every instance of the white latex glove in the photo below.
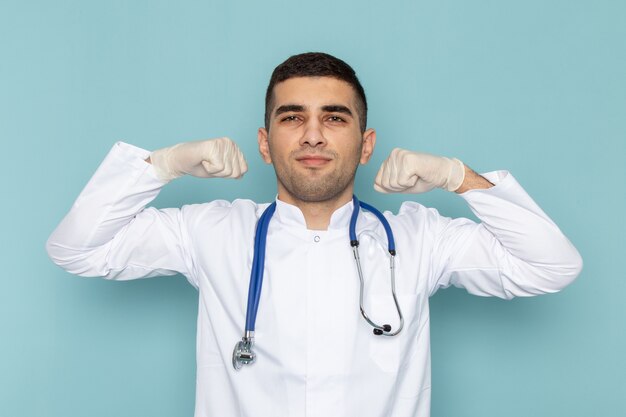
(415, 172)
(210, 158)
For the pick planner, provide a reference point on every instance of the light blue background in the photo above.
(535, 87)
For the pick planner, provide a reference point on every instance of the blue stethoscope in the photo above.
(243, 353)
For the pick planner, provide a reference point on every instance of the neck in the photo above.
(317, 214)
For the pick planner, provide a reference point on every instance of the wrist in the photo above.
(161, 161)
(456, 174)
(473, 181)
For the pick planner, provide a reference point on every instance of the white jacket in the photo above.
(316, 355)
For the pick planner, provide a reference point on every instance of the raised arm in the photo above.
(516, 250)
(109, 232)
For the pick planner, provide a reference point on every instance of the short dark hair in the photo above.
(316, 64)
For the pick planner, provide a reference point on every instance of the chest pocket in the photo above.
(388, 352)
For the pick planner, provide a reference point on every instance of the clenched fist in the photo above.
(212, 158)
(415, 172)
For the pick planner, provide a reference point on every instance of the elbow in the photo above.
(565, 272)
(531, 279)
(77, 262)
(53, 249)
(574, 268)
(564, 265)
(60, 256)
(578, 264)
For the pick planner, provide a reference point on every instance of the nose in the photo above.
(313, 134)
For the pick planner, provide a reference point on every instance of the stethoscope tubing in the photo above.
(243, 353)
(391, 244)
(258, 262)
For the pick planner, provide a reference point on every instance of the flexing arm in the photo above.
(108, 232)
(516, 250)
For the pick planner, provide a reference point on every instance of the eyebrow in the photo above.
(331, 108)
(288, 108)
(337, 108)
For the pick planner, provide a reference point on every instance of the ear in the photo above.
(264, 147)
(369, 141)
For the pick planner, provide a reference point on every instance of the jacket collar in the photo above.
(292, 216)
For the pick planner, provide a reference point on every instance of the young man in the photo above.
(315, 354)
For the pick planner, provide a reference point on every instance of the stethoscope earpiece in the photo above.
(386, 329)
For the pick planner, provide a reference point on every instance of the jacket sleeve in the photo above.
(516, 249)
(108, 232)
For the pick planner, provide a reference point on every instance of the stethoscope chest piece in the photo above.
(243, 353)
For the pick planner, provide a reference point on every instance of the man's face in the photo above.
(314, 139)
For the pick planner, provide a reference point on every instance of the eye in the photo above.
(336, 119)
(290, 118)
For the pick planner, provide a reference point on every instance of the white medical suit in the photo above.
(317, 357)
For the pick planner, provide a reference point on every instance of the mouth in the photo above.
(313, 160)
